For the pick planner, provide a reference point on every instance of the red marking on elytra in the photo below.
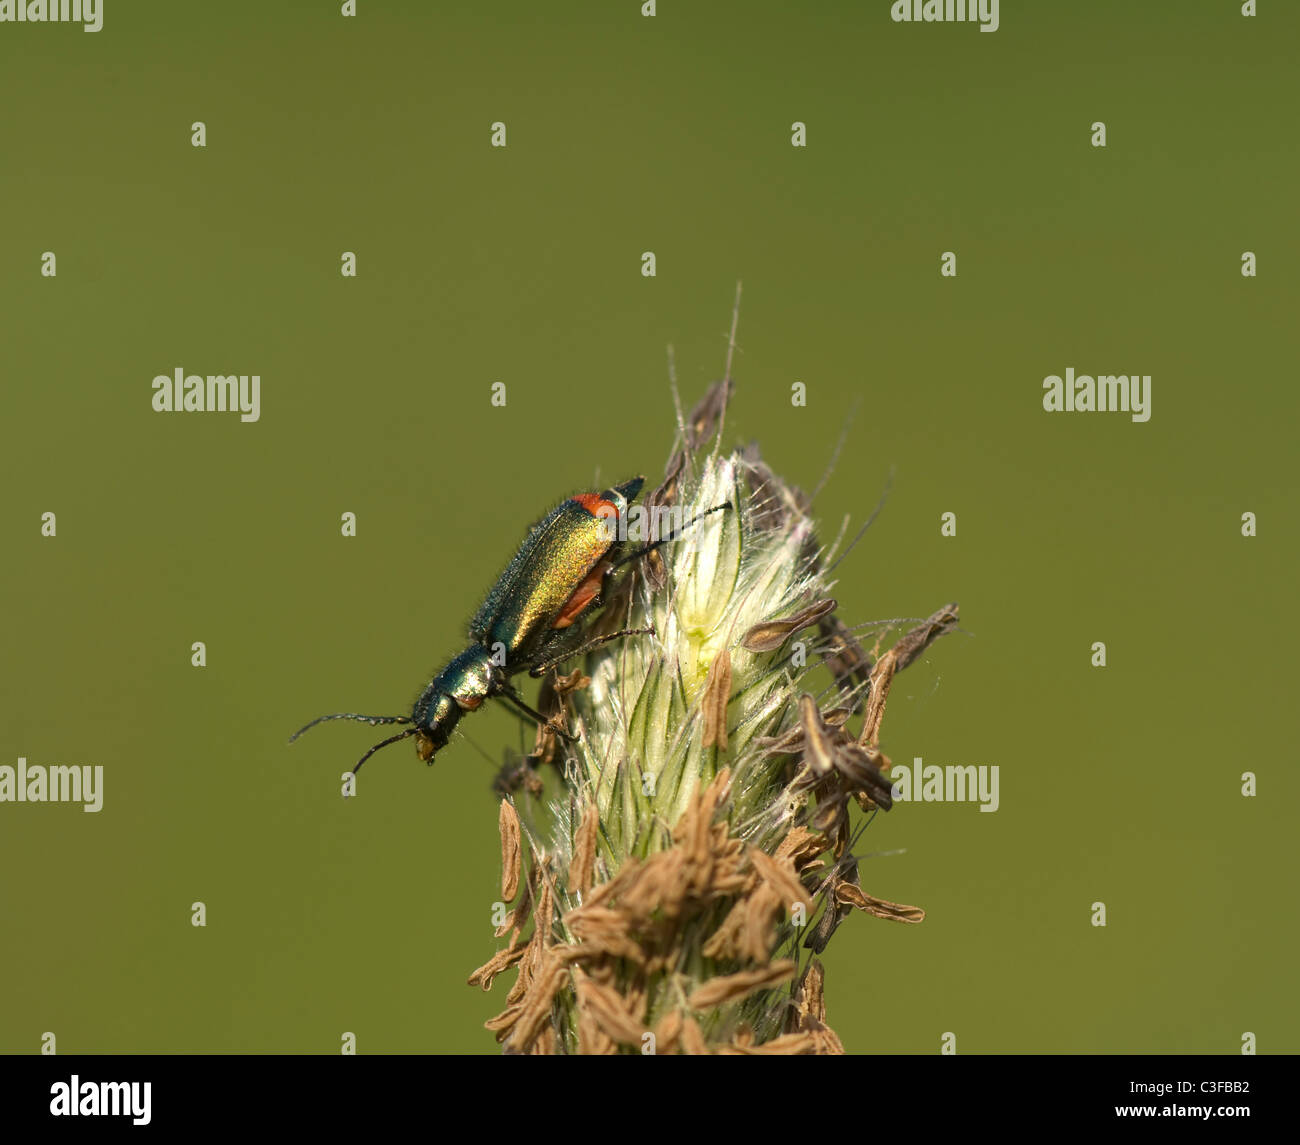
(596, 505)
(582, 595)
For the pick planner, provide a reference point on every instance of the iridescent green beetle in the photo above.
(530, 620)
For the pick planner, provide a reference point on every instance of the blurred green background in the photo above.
(480, 265)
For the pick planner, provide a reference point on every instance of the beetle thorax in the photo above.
(462, 686)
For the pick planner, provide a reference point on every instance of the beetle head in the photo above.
(435, 715)
(431, 723)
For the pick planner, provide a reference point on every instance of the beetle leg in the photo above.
(510, 694)
(539, 670)
(654, 546)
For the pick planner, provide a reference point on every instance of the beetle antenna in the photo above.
(372, 720)
(384, 743)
